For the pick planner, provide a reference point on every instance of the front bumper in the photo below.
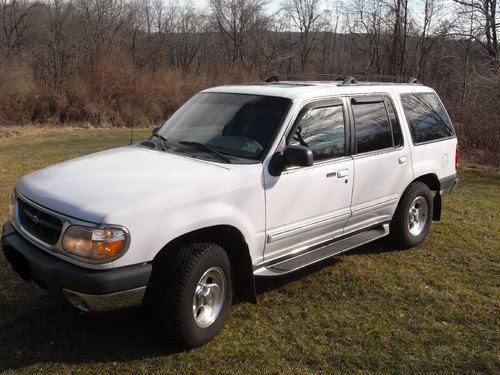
(87, 289)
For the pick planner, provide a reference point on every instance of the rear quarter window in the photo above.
(427, 118)
(377, 126)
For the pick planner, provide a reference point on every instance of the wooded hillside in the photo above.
(118, 62)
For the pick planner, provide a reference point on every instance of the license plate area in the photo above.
(18, 262)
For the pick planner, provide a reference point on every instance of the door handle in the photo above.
(402, 160)
(343, 173)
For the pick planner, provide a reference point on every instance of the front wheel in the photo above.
(413, 217)
(192, 293)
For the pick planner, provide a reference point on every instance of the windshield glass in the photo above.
(233, 124)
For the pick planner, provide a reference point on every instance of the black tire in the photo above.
(173, 289)
(402, 232)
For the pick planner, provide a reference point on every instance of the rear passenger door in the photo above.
(382, 166)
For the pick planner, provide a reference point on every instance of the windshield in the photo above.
(233, 124)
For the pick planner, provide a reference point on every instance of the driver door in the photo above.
(307, 206)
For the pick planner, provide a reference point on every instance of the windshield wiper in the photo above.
(162, 139)
(204, 147)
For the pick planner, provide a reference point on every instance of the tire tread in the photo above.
(398, 228)
(177, 271)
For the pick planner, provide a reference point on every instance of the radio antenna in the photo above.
(132, 133)
(133, 111)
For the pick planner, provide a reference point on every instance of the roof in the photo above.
(297, 90)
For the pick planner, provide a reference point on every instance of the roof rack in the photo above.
(334, 77)
(386, 78)
(343, 79)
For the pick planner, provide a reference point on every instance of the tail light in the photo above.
(457, 155)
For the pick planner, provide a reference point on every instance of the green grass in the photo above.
(432, 309)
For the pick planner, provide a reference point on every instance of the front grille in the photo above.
(39, 224)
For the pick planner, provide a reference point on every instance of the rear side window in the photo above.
(373, 127)
(426, 117)
(322, 130)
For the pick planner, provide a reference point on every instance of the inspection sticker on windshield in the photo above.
(252, 147)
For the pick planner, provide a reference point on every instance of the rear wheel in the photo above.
(192, 293)
(413, 217)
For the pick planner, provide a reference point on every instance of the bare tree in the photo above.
(330, 42)
(368, 30)
(103, 19)
(52, 49)
(189, 27)
(235, 19)
(427, 40)
(16, 17)
(400, 36)
(272, 48)
(150, 24)
(484, 15)
(306, 17)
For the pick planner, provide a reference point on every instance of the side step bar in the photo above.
(317, 254)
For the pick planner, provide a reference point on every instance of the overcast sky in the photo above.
(416, 7)
(272, 5)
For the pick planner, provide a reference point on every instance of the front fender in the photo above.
(209, 215)
(152, 229)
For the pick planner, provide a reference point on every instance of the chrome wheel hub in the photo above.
(418, 216)
(208, 297)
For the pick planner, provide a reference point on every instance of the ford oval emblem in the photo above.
(35, 220)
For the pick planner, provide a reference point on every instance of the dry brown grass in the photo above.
(122, 97)
(109, 96)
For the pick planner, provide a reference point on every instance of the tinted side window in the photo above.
(323, 131)
(373, 128)
(396, 127)
(427, 117)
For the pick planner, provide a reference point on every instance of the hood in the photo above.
(90, 187)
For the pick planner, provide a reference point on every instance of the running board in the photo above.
(310, 256)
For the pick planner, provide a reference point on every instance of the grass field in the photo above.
(377, 310)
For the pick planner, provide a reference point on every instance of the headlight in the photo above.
(12, 206)
(94, 243)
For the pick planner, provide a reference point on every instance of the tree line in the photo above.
(123, 62)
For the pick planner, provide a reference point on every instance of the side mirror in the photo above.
(155, 130)
(300, 156)
(292, 156)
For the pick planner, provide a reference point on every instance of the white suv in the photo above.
(242, 181)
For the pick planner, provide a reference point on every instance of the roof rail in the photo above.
(344, 79)
(287, 76)
(386, 78)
